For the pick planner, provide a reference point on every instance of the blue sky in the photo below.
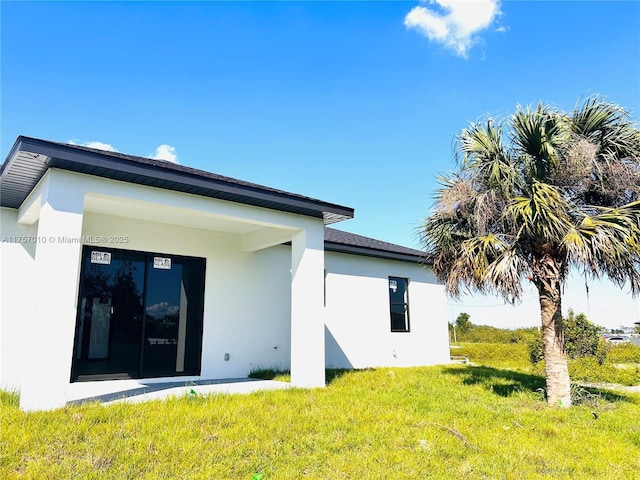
(355, 103)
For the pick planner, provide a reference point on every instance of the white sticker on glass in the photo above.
(162, 263)
(103, 258)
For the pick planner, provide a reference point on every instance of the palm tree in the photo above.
(535, 196)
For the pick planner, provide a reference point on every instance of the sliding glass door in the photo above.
(139, 315)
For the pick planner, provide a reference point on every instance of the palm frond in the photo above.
(505, 274)
(540, 134)
(542, 216)
(607, 145)
(485, 157)
(609, 126)
(608, 244)
(487, 264)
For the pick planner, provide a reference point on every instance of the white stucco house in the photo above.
(115, 267)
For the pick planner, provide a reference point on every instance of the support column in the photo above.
(55, 293)
(307, 307)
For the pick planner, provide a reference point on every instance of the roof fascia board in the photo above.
(369, 252)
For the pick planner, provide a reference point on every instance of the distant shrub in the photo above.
(486, 334)
(581, 339)
(523, 335)
(624, 353)
(589, 369)
(535, 346)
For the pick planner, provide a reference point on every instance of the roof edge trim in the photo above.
(371, 252)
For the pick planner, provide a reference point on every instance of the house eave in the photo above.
(370, 252)
(30, 158)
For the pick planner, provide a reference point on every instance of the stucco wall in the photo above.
(17, 251)
(358, 330)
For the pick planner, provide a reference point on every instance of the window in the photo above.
(399, 304)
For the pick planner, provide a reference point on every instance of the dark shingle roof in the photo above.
(345, 242)
(30, 158)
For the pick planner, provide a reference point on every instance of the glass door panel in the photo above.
(165, 310)
(110, 314)
(173, 316)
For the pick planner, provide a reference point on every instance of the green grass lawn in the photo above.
(440, 422)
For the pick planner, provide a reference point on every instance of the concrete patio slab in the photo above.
(133, 391)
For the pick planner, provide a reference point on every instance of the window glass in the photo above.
(399, 304)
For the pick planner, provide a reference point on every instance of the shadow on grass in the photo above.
(502, 382)
(331, 374)
(268, 373)
(588, 394)
(505, 383)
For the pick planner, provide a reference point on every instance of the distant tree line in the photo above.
(465, 331)
(582, 338)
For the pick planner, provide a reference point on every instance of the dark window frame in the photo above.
(404, 304)
(195, 317)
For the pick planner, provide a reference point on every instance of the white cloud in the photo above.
(166, 152)
(162, 309)
(453, 23)
(98, 145)
(163, 152)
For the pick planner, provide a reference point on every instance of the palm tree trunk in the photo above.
(555, 357)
